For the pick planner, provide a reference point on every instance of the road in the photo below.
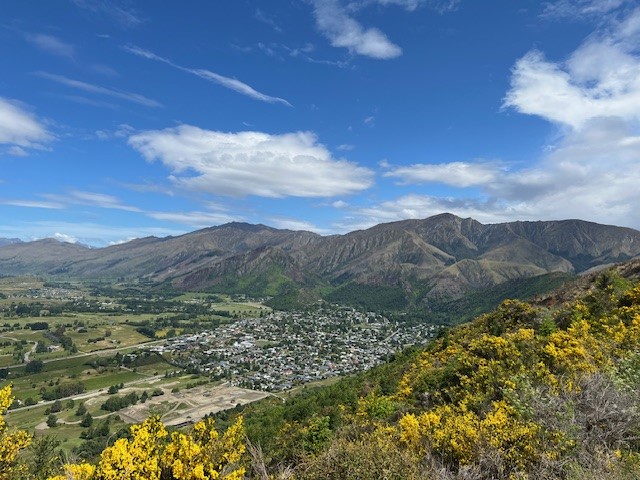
(87, 354)
(26, 355)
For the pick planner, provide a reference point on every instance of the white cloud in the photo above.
(370, 121)
(457, 174)
(19, 128)
(63, 237)
(339, 204)
(227, 82)
(591, 173)
(600, 79)
(345, 32)
(88, 87)
(52, 45)
(251, 163)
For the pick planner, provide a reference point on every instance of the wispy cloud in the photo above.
(105, 70)
(16, 151)
(227, 82)
(251, 163)
(91, 88)
(264, 18)
(113, 9)
(343, 31)
(440, 6)
(94, 199)
(579, 9)
(279, 51)
(345, 147)
(33, 204)
(196, 219)
(19, 128)
(297, 225)
(121, 131)
(91, 102)
(52, 45)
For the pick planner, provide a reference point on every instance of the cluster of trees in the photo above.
(32, 309)
(58, 336)
(63, 390)
(118, 402)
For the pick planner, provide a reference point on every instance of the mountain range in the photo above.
(9, 241)
(440, 257)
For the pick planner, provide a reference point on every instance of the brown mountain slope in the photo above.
(441, 256)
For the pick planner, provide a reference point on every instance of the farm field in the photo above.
(73, 352)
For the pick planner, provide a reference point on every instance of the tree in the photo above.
(56, 407)
(81, 410)
(87, 421)
(43, 457)
(34, 366)
(52, 420)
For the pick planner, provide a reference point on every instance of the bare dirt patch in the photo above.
(188, 406)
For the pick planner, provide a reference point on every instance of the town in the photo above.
(281, 350)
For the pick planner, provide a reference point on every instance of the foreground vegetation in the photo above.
(523, 392)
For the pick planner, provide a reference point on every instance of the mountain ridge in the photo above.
(443, 256)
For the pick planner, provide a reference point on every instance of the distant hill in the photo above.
(417, 262)
(9, 241)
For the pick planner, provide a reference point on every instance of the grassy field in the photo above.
(98, 341)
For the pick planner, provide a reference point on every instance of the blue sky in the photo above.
(127, 118)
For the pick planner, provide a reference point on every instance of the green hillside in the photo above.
(523, 392)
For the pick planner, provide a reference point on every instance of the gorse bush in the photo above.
(518, 393)
(151, 453)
